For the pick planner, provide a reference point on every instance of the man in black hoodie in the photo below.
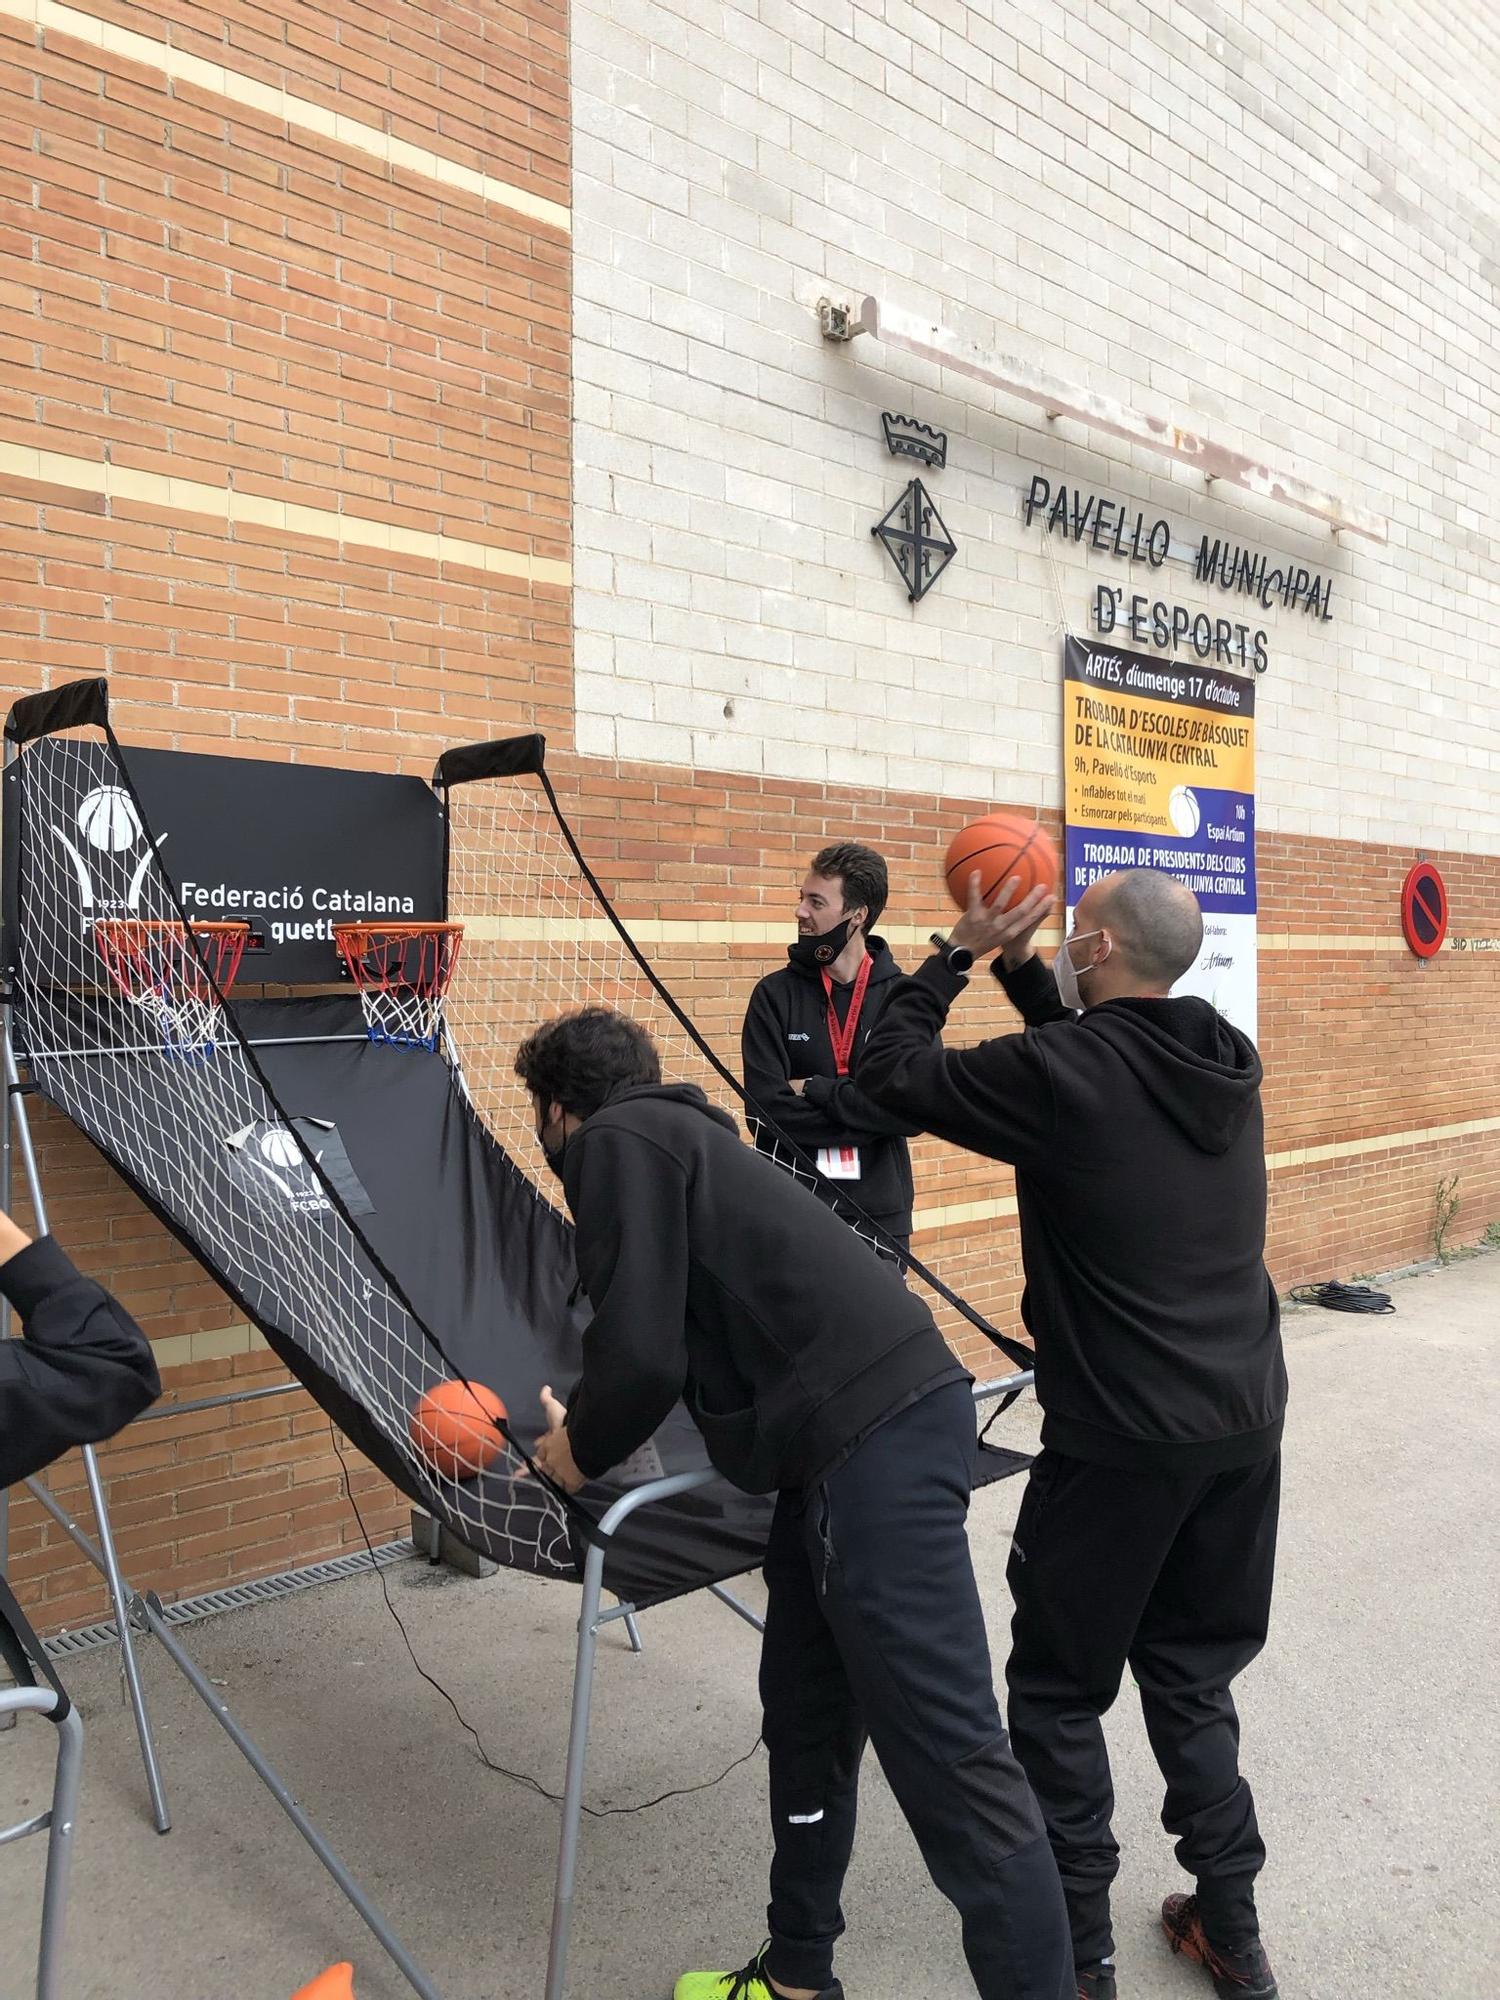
(810, 1371)
(804, 1034)
(1147, 1532)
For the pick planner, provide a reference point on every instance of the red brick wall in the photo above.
(198, 291)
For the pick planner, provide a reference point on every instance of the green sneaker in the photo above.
(750, 1983)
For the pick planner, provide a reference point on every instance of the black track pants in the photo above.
(874, 1628)
(1171, 1574)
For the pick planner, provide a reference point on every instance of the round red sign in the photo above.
(1424, 910)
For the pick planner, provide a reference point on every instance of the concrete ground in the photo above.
(1369, 1730)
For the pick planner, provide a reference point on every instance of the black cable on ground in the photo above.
(1343, 1298)
(502, 1770)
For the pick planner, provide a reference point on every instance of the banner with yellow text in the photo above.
(1159, 770)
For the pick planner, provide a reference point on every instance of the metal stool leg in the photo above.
(49, 1984)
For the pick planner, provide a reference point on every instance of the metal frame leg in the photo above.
(57, 1823)
(49, 1984)
(108, 1562)
(583, 1697)
(737, 1606)
(151, 1611)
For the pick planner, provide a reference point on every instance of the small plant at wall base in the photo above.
(1491, 1237)
(1445, 1206)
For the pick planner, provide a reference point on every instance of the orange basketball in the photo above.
(453, 1428)
(1000, 845)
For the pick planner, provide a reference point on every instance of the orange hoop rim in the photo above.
(146, 926)
(405, 928)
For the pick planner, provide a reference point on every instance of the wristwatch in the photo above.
(957, 957)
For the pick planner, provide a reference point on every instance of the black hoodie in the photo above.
(716, 1277)
(83, 1370)
(1135, 1131)
(786, 1036)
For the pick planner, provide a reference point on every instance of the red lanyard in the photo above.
(843, 1038)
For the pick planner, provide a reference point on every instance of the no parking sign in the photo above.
(1424, 910)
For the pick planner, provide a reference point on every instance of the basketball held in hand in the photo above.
(453, 1429)
(999, 846)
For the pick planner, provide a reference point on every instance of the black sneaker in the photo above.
(1096, 1982)
(1242, 1974)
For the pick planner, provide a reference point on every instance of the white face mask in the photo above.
(1066, 973)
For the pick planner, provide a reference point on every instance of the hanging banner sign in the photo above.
(1159, 772)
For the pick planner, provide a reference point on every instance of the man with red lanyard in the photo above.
(805, 1029)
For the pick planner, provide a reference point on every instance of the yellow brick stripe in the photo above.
(222, 503)
(300, 113)
(776, 931)
(1003, 1207)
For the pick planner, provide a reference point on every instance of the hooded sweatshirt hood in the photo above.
(671, 1093)
(1201, 1072)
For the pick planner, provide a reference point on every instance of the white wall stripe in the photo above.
(300, 113)
(222, 503)
(1004, 1206)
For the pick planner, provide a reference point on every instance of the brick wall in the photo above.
(284, 450)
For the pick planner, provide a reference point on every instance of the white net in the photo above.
(173, 974)
(206, 1143)
(402, 972)
(539, 941)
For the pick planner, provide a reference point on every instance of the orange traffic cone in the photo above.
(337, 1983)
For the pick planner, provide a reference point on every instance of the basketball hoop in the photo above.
(176, 973)
(402, 972)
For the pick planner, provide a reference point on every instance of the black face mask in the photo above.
(552, 1152)
(816, 954)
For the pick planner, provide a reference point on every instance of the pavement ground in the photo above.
(1370, 1734)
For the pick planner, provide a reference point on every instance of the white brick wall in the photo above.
(1277, 221)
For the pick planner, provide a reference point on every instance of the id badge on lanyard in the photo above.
(841, 1163)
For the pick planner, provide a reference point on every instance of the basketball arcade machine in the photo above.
(260, 1132)
(114, 1007)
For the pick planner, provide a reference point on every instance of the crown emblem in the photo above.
(906, 438)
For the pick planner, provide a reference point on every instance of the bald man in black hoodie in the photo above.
(1147, 1533)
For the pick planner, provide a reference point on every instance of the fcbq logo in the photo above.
(273, 1151)
(109, 824)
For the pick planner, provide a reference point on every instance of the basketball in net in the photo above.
(175, 973)
(403, 972)
(999, 846)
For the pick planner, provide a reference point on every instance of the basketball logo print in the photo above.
(108, 824)
(1183, 812)
(279, 1148)
(107, 820)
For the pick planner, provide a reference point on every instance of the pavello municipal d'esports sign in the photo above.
(1159, 772)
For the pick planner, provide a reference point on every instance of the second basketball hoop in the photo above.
(403, 973)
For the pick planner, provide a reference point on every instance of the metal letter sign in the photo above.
(916, 540)
(1424, 910)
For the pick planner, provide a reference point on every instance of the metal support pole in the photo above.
(119, 1597)
(737, 1606)
(57, 1823)
(249, 1750)
(108, 1562)
(633, 1633)
(1012, 1385)
(578, 1729)
(64, 1817)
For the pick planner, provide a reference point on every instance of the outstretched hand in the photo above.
(1001, 924)
(552, 1453)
